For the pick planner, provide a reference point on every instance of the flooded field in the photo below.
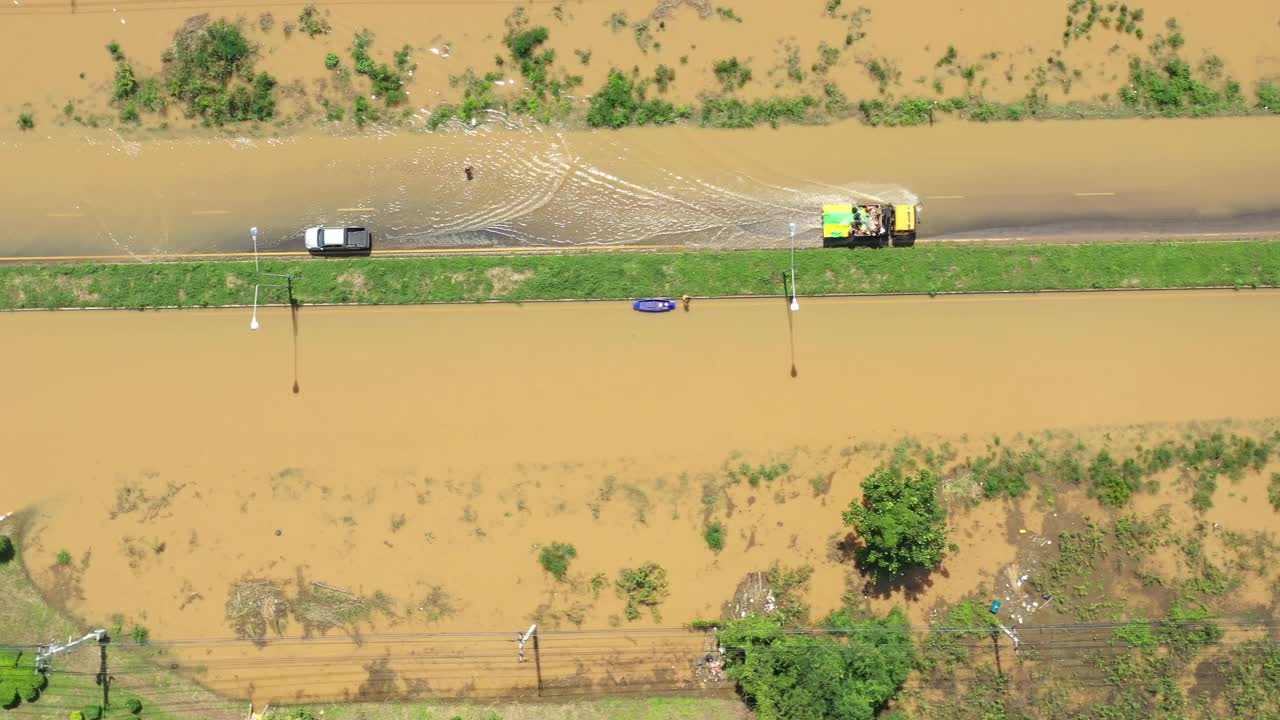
(419, 459)
(790, 48)
(671, 186)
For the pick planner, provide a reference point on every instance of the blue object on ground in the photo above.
(654, 305)
(995, 607)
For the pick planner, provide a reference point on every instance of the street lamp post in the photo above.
(795, 304)
(253, 323)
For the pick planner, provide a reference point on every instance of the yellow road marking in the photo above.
(1106, 194)
(210, 212)
(355, 209)
(295, 253)
(64, 215)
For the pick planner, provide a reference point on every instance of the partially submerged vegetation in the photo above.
(208, 71)
(924, 269)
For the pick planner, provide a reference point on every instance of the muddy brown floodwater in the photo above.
(430, 452)
(166, 187)
(666, 186)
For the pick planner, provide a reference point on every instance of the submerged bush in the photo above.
(621, 102)
(206, 67)
(555, 558)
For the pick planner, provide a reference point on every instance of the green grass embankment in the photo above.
(927, 269)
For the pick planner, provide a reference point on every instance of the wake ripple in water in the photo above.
(533, 189)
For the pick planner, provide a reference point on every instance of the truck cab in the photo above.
(338, 240)
(870, 224)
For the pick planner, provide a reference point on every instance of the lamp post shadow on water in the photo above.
(791, 326)
(794, 305)
(293, 303)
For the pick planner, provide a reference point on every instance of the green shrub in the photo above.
(30, 693)
(126, 84)
(363, 112)
(63, 558)
(25, 121)
(1171, 90)
(331, 61)
(621, 103)
(92, 712)
(949, 58)
(984, 112)
(1113, 484)
(522, 44)
(732, 73)
(151, 95)
(133, 705)
(335, 114)
(899, 521)
(205, 68)
(312, 22)
(908, 111)
(129, 113)
(76, 715)
(663, 76)
(734, 113)
(714, 535)
(1006, 473)
(113, 47)
(645, 586)
(6, 549)
(849, 673)
(1269, 96)
(9, 697)
(555, 558)
(386, 82)
(140, 634)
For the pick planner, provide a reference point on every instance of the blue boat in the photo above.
(654, 305)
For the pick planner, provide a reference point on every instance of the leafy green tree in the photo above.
(900, 522)
(846, 674)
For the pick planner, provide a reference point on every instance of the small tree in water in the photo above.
(900, 522)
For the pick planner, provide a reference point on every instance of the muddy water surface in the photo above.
(166, 187)
(430, 452)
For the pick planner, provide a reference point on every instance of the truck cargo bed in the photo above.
(358, 239)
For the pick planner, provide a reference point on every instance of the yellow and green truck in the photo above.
(871, 224)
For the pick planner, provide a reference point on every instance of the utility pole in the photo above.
(46, 652)
(522, 639)
(537, 661)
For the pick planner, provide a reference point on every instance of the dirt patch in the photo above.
(79, 288)
(505, 279)
(354, 281)
(233, 281)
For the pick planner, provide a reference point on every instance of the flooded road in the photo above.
(429, 452)
(670, 186)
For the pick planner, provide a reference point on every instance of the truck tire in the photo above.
(905, 241)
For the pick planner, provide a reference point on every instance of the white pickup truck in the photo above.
(336, 240)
